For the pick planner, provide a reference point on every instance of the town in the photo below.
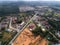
(33, 25)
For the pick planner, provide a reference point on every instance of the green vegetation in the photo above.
(54, 24)
(49, 37)
(48, 12)
(5, 36)
(27, 13)
(1, 32)
(3, 17)
(46, 34)
(19, 20)
(22, 16)
(49, 43)
(51, 13)
(56, 14)
(30, 12)
(10, 9)
(38, 31)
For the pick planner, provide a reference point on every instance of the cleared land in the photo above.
(28, 38)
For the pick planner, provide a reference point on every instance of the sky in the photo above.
(29, 0)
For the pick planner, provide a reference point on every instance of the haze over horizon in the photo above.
(29, 0)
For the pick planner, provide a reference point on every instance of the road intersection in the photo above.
(10, 43)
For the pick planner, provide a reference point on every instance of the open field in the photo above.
(28, 38)
(6, 37)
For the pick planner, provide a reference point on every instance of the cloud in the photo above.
(40, 0)
(29, 0)
(8, 0)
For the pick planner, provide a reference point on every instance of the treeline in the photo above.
(55, 24)
(8, 10)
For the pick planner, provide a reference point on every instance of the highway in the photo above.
(10, 43)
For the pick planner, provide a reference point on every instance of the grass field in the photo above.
(7, 36)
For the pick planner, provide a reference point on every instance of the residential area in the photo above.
(29, 23)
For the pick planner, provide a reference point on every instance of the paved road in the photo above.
(10, 26)
(10, 43)
(25, 27)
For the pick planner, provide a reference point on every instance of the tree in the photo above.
(19, 20)
(38, 31)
